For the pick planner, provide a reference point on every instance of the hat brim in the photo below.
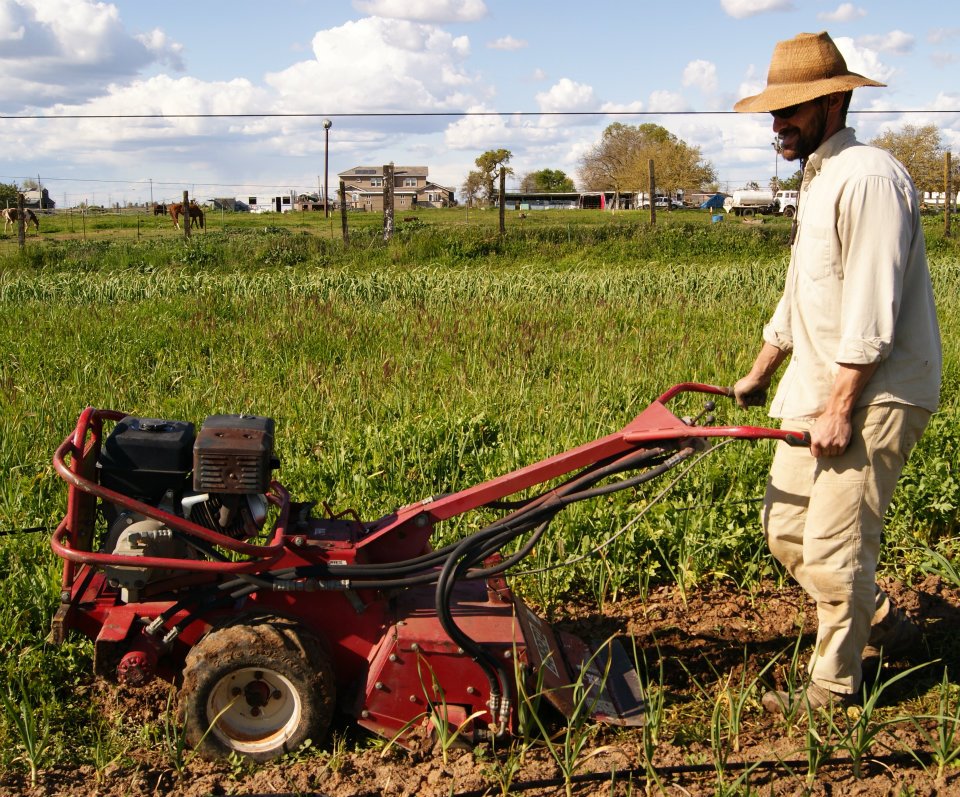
(784, 95)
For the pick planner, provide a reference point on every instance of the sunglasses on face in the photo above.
(785, 113)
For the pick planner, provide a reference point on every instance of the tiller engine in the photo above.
(168, 569)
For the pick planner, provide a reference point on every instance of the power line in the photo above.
(403, 114)
(147, 182)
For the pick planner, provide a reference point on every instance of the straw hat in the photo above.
(803, 68)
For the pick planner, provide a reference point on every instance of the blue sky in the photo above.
(501, 57)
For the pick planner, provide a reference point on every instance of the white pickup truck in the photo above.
(787, 203)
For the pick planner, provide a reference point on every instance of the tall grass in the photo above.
(399, 371)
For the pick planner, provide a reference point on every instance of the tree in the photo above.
(546, 181)
(8, 195)
(791, 183)
(471, 188)
(490, 164)
(620, 160)
(920, 150)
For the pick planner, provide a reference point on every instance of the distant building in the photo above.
(38, 199)
(283, 203)
(542, 200)
(411, 189)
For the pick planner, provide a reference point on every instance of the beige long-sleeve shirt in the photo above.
(858, 288)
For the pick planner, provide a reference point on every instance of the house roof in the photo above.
(377, 171)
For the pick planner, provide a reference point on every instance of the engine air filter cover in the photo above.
(234, 454)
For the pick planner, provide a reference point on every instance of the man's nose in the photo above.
(779, 124)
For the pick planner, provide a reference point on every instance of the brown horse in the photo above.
(12, 216)
(160, 209)
(196, 214)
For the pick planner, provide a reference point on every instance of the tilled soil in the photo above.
(693, 644)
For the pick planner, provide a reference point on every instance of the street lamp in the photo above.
(327, 124)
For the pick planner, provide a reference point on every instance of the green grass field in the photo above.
(402, 370)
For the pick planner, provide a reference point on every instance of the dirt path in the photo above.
(692, 647)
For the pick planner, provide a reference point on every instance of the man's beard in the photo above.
(805, 144)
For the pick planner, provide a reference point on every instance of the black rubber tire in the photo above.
(789, 213)
(259, 688)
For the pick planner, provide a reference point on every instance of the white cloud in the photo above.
(944, 59)
(67, 50)
(424, 10)
(740, 9)
(942, 35)
(164, 51)
(863, 60)
(478, 133)
(507, 43)
(406, 66)
(701, 74)
(667, 101)
(97, 141)
(539, 74)
(845, 12)
(896, 42)
(622, 107)
(566, 95)
(520, 134)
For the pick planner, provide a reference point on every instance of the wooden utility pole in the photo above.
(503, 198)
(948, 196)
(388, 202)
(653, 201)
(185, 215)
(21, 222)
(343, 212)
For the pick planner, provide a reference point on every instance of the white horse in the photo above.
(12, 216)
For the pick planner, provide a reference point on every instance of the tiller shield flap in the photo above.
(579, 679)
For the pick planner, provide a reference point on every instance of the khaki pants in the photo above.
(823, 520)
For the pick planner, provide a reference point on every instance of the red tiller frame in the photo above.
(655, 424)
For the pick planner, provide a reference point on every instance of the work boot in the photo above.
(896, 636)
(814, 696)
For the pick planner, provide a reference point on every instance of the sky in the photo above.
(234, 94)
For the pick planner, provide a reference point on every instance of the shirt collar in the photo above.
(837, 142)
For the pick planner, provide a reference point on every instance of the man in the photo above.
(858, 324)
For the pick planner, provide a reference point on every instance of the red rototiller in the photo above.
(266, 639)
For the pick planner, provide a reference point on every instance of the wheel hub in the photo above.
(254, 709)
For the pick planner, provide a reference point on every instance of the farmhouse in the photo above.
(411, 189)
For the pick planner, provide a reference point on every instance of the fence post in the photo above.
(343, 213)
(653, 203)
(503, 198)
(948, 195)
(388, 202)
(21, 222)
(185, 214)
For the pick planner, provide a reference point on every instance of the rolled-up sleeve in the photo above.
(875, 238)
(777, 330)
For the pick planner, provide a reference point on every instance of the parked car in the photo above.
(662, 203)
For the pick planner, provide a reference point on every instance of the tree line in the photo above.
(619, 162)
